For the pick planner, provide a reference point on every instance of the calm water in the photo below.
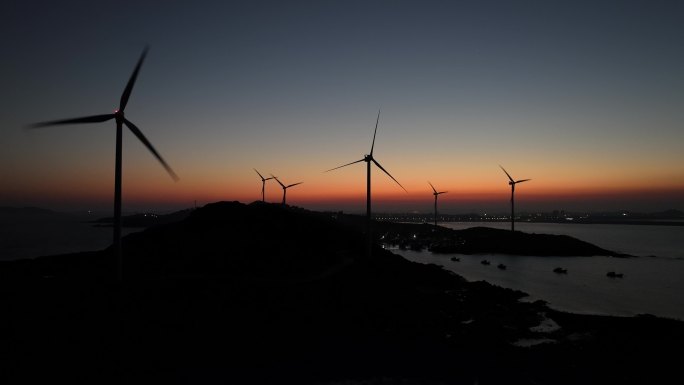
(653, 285)
(34, 239)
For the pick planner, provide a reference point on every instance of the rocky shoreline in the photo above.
(262, 294)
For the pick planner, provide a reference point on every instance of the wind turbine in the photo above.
(368, 159)
(285, 187)
(263, 185)
(513, 183)
(120, 120)
(435, 193)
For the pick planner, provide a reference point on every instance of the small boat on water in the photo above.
(560, 270)
(456, 259)
(501, 266)
(485, 262)
(612, 274)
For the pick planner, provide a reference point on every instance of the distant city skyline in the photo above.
(583, 97)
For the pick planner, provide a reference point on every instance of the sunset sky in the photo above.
(585, 98)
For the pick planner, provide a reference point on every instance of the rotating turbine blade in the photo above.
(442, 192)
(136, 131)
(375, 132)
(383, 169)
(507, 174)
(522, 180)
(260, 176)
(433, 187)
(131, 82)
(278, 180)
(344, 165)
(85, 119)
(294, 184)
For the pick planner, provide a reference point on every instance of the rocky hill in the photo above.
(266, 294)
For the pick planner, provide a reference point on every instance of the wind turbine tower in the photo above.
(513, 183)
(285, 188)
(436, 194)
(370, 159)
(120, 120)
(263, 185)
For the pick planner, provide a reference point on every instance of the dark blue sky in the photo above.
(587, 94)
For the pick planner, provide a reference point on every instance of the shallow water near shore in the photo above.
(650, 285)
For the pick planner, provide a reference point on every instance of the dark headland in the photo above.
(484, 240)
(266, 294)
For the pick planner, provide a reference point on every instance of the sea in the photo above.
(652, 283)
(35, 238)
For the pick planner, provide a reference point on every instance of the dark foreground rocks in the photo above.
(264, 294)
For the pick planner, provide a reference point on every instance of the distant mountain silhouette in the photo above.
(271, 294)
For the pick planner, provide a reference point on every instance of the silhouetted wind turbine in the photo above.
(368, 159)
(285, 187)
(120, 120)
(513, 183)
(263, 185)
(435, 193)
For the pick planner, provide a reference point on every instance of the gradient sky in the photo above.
(585, 98)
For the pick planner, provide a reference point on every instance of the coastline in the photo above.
(222, 293)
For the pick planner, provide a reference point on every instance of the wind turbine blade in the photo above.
(390, 175)
(442, 192)
(136, 131)
(85, 119)
(344, 165)
(278, 180)
(522, 180)
(294, 184)
(507, 174)
(433, 187)
(262, 178)
(375, 132)
(131, 82)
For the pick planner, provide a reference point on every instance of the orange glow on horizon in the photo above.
(469, 188)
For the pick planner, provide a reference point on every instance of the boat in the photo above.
(613, 274)
(484, 262)
(560, 270)
(456, 259)
(501, 266)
